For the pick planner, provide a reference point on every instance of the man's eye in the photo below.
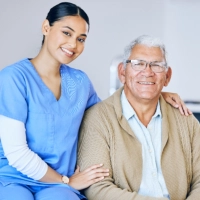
(156, 65)
(139, 64)
(66, 33)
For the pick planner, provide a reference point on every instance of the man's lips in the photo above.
(146, 83)
(70, 53)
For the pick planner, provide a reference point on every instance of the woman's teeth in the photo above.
(67, 51)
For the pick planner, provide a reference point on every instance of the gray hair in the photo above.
(147, 41)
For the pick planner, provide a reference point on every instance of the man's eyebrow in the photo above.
(74, 30)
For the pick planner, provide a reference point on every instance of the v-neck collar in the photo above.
(44, 86)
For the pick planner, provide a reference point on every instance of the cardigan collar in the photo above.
(124, 123)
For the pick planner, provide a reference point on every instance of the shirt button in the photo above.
(154, 174)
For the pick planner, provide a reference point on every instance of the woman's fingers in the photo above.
(93, 167)
(95, 180)
(177, 103)
(172, 98)
(185, 110)
(97, 175)
(95, 171)
(84, 179)
(175, 100)
(77, 170)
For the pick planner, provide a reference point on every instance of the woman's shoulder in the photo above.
(74, 73)
(16, 75)
(16, 68)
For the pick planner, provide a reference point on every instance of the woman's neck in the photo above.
(46, 65)
(49, 71)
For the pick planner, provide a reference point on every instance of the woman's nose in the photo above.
(72, 43)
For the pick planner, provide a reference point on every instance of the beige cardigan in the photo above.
(106, 137)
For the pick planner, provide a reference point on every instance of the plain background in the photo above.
(114, 23)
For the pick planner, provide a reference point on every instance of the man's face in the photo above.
(146, 84)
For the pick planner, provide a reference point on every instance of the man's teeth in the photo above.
(146, 83)
(67, 51)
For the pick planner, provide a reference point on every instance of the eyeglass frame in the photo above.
(149, 63)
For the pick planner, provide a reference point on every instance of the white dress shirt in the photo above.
(153, 183)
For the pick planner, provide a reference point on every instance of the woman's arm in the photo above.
(175, 100)
(80, 180)
(16, 150)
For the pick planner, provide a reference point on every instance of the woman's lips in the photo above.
(66, 51)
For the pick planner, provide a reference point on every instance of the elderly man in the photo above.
(151, 150)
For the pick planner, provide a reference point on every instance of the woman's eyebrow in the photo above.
(74, 30)
(69, 28)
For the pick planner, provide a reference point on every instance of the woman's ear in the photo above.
(121, 72)
(45, 27)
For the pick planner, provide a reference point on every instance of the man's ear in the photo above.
(168, 76)
(121, 72)
(45, 27)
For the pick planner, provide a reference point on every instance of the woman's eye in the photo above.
(66, 33)
(81, 40)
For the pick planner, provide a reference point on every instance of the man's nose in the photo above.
(148, 69)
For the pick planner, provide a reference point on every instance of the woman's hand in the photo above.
(84, 179)
(177, 102)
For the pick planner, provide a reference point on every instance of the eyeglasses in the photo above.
(140, 65)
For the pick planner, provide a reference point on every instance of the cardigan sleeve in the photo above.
(195, 144)
(94, 148)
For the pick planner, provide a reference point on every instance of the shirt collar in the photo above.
(127, 109)
(158, 111)
(129, 112)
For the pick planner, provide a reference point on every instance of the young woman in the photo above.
(42, 103)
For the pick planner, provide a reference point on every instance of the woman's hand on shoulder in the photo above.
(175, 100)
(81, 180)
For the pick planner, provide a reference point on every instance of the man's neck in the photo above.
(145, 109)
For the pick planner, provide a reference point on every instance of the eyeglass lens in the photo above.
(141, 65)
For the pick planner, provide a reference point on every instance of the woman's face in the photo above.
(65, 40)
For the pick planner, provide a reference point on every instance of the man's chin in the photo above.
(148, 96)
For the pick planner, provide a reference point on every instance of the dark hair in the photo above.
(64, 9)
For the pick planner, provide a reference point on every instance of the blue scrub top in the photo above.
(51, 125)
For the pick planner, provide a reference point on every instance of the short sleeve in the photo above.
(93, 97)
(13, 94)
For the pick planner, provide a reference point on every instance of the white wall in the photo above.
(114, 23)
(182, 38)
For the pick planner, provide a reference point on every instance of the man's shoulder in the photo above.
(101, 106)
(107, 107)
(173, 114)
